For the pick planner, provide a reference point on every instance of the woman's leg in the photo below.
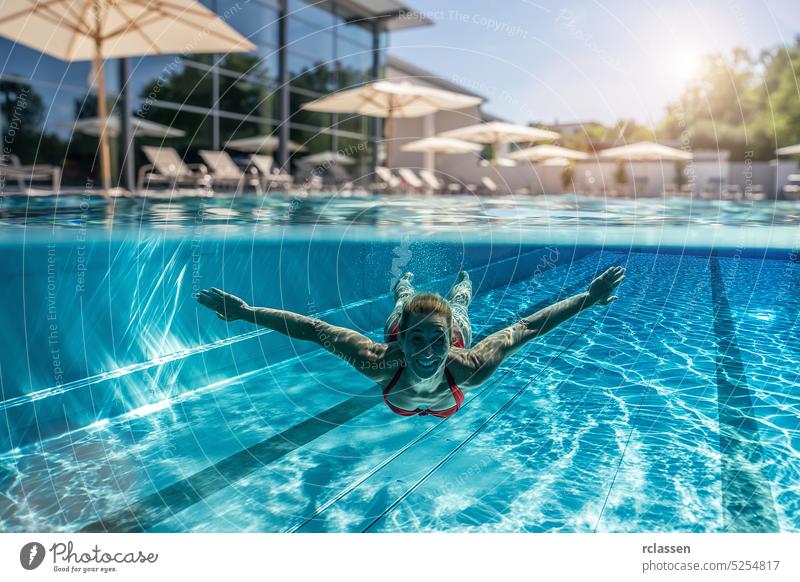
(460, 298)
(402, 291)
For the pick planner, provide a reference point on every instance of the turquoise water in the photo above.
(127, 408)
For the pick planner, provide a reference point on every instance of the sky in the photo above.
(545, 61)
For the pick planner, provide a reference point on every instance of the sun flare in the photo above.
(684, 64)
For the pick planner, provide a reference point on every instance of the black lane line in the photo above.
(163, 504)
(155, 508)
(474, 433)
(561, 294)
(747, 502)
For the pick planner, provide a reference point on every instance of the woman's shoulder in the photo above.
(462, 366)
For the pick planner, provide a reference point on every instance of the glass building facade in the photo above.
(304, 50)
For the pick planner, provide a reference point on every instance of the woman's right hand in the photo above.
(227, 307)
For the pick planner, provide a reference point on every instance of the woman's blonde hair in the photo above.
(426, 303)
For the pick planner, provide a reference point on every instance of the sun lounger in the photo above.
(755, 192)
(167, 167)
(312, 184)
(307, 178)
(12, 168)
(456, 188)
(489, 185)
(411, 181)
(434, 184)
(791, 191)
(270, 178)
(714, 188)
(733, 192)
(224, 171)
(338, 177)
(387, 181)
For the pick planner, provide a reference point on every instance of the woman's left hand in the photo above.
(601, 289)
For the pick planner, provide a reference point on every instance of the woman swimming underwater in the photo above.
(425, 364)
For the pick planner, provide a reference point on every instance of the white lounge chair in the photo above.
(435, 185)
(166, 166)
(489, 185)
(270, 178)
(439, 186)
(12, 168)
(411, 180)
(755, 192)
(714, 189)
(733, 192)
(387, 181)
(225, 171)
(307, 178)
(338, 177)
(791, 190)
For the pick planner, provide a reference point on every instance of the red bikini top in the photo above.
(458, 395)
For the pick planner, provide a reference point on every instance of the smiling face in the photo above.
(425, 343)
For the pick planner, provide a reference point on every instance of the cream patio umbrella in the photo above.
(141, 127)
(265, 144)
(555, 162)
(442, 145)
(498, 163)
(645, 151)
(792, 150)
(391, 101)
(328, 157)
(497, 132)
(546, 152)
(80, 30)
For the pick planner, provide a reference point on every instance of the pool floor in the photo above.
(676, 409)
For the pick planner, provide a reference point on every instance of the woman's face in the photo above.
(425, 343)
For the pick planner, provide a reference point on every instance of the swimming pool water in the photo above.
(677, 408)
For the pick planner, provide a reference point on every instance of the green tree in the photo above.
(596, 136)
(24, 109)
(724, 107)
(591, 136)
(779, 117)
(627, 131)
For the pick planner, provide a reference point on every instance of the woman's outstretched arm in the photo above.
(480, 362)
(356, 349)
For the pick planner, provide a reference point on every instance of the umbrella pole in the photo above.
(105, 157)
(388, 137)
(105, 165)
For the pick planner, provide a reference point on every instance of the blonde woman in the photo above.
(425, 364)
